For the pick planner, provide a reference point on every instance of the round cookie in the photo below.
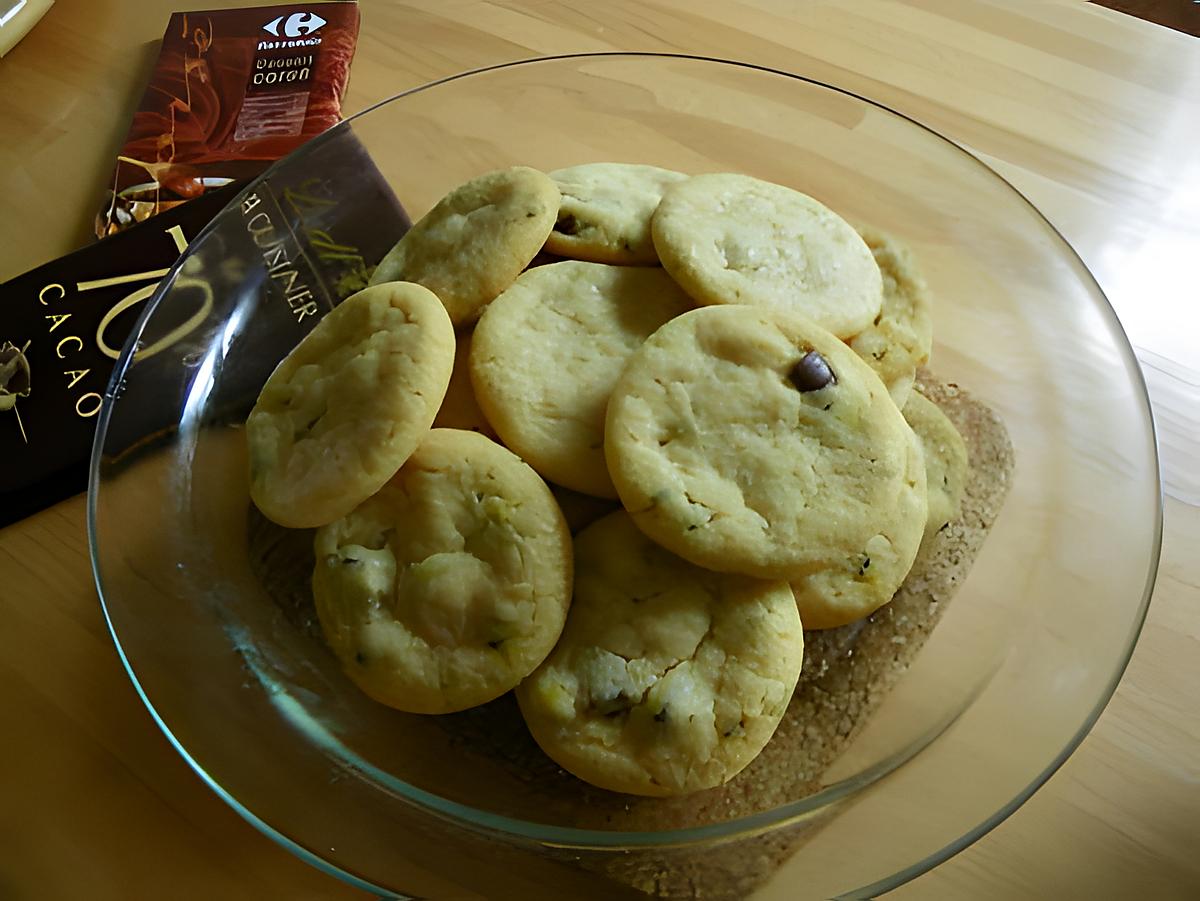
(547, 352)
(900, 338)
(946, 463)
(733, 239)
(476, 240)
(604, 215)
(668, 678)
(863, 581)
(753, 441)
(451, 584)
(459, 409)
(343, 410)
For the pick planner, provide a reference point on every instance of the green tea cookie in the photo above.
(863, 581)
(668, 678)
(476, 241)
(450, 585)
(753, 441)
(346, 407)
(900, 338)
(547, 352)
(733, 239)
(945, 455)
(605, 211)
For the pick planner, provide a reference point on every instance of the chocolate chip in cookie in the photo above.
(812, 373)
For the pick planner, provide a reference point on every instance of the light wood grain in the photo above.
(1093, 115)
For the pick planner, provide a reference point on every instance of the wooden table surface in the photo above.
(1094, 115)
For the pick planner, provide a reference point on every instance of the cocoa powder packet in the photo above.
(232, 90)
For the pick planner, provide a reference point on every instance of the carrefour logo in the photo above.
(294, 26)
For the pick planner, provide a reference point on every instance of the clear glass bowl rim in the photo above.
(583, 839)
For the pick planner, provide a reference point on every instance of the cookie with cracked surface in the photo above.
(861, 582)
(476, 240)
(451, 584)
(343, 410)
(668, 678)
(753, 441)
(733, 239)
(945, 456)
(834, 699)
(604, 215)
(901, 337)
(547, 352)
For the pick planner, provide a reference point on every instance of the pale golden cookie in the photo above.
(668, 678)
(863, 581)
(604, 215)
(459, 408)
(945, 455)
(451, 584)
(733, 239)
(900, 338)
(847, 674)
(547, 352)
(754, 441)
(476, 240)
(346, 407)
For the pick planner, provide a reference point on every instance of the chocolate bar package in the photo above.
(289, 247)
(232, 90)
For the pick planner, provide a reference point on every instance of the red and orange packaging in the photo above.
(232, 91)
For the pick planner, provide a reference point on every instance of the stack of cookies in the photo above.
(613, 437)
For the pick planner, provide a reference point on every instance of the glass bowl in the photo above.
(224, 653)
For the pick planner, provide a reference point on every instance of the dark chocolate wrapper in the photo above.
(286, 251)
